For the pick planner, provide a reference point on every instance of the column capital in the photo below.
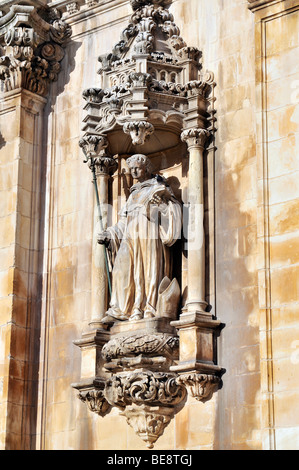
(31, 47)
(94, 149)
(195, 137)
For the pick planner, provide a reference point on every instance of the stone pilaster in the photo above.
(21, 123)
(31, 50)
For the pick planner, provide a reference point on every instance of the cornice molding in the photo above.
(255, 5)
(73, 10)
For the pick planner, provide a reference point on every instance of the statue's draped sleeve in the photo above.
(170, 222)
(117, 232)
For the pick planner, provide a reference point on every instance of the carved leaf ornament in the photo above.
(28, 60)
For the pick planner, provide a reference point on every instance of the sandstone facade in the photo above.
(251, 221)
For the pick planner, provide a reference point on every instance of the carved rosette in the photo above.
(139, 131)
(31, 49)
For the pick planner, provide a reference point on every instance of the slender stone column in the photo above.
(94, 149)
(196, 327)
(31, 51)
(92, 341)
(196, 139)
(100, 295)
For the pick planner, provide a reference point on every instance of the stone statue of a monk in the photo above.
(149, 223)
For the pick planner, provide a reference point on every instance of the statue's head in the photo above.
(140, 167)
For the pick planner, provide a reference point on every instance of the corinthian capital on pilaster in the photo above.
(31, 47)
(195, 137)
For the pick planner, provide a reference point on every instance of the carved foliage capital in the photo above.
(94, 149)
(31, 50)
(139, 79)
(195, 138)
(95, 401)
(200, 386)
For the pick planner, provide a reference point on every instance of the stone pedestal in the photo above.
(93, 377)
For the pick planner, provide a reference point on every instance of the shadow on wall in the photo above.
(237, 423)
(2, 141)
(68, 65)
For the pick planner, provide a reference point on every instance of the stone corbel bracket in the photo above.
(138, 372)
(31, 47)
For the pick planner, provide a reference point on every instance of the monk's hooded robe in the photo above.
(140, 244)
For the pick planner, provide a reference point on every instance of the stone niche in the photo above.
(152, 337)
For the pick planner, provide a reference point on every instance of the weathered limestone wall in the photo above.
(65, 422)
(224, 31)
(277, 75)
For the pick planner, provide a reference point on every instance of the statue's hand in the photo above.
(161, 196)
(156, 199)
(104, 238)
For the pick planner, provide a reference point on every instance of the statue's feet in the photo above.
(112, 317)
(149, 314)
(137, 315)
(108, 319)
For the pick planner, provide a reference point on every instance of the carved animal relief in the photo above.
(152, 340)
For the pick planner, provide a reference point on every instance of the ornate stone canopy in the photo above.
(152, 85)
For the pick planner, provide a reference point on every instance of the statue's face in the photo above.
(139, 172)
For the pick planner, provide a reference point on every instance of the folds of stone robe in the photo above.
(140, 244)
